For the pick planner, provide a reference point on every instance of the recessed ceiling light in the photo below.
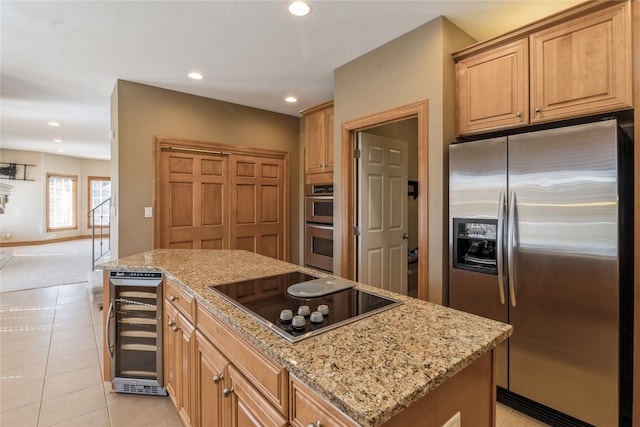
(291, 99)
(195, 75)
(53, 124)
(299, 8)
(57, 140)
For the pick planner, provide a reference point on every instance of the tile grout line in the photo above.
(46, 365)
(100, 365)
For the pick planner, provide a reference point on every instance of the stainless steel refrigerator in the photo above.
(541, 237)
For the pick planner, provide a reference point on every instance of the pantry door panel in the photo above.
(258, 193)
(193, 200)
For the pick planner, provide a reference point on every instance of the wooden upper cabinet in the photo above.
(572, 64)
(493, 89)
(582, 67)
(319, 143)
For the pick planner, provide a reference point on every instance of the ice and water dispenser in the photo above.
(474, 245)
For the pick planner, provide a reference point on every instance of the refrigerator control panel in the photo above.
(477, 230)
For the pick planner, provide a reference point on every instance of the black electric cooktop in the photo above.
(268, 300)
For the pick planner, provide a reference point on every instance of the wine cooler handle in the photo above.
(499, 246)
(108, 331)
(510, 245)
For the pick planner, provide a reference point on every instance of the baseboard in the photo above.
(44, 242)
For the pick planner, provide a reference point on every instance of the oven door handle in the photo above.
(320, 226)
(108, 331)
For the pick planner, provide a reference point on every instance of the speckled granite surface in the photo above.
(371, 369)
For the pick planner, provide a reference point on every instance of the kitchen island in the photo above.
(416, 362)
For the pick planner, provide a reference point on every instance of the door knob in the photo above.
(405, 236)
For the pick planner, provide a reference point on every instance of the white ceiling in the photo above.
(60, 59)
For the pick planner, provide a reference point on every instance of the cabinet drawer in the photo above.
(270, 379)
(179, 298)
(308, 408)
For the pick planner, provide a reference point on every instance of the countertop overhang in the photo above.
(371, 369)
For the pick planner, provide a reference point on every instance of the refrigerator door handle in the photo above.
(499, 246)
(510, 244)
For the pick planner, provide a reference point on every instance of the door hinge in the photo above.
(357, 230)
(356, 153)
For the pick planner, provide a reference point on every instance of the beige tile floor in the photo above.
(50, 367)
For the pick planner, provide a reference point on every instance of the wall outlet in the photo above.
(148, 212)
(453, 421)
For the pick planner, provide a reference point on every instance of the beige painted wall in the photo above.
(140, 112)
(413, 67)
(25, 217)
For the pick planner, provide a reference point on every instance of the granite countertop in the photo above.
(371, 369)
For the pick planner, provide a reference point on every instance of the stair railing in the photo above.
(103, 242)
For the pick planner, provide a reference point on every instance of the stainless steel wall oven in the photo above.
(319, 226)
(134, 332)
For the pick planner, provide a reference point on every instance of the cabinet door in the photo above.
(211, 371)
(582, 67)
(307, 408)
(248, 407)
(170, 351)
(328, 140)
(185, 339)
(492, 89)
(314, 130)
(178, 354)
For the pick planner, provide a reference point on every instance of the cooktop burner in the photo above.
(294, 317)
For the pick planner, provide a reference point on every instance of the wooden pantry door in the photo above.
(258, 221)
(214, 196)
(194, 200)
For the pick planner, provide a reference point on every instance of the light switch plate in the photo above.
(453, 421)
(148, 212)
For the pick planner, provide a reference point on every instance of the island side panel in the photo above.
(472, 392)
(105, 311)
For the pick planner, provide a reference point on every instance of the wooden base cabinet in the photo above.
(308, 409)
(211, 367)
(225, 397)
(248, 406)
(179, 349)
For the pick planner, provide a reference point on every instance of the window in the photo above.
(99, 191)
(61, 202)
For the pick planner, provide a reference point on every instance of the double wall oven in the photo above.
(319, 226)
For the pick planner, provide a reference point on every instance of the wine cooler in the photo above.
(134, 332)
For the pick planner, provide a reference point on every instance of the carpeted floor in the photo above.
(51, 264)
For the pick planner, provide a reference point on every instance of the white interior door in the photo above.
(382, 212)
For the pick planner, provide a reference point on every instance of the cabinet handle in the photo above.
(518, 114)
(172, 298)
(171, 322)
(227, 391)
(175, 328)
(316, 424)
(538, 109)
(218, 378)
